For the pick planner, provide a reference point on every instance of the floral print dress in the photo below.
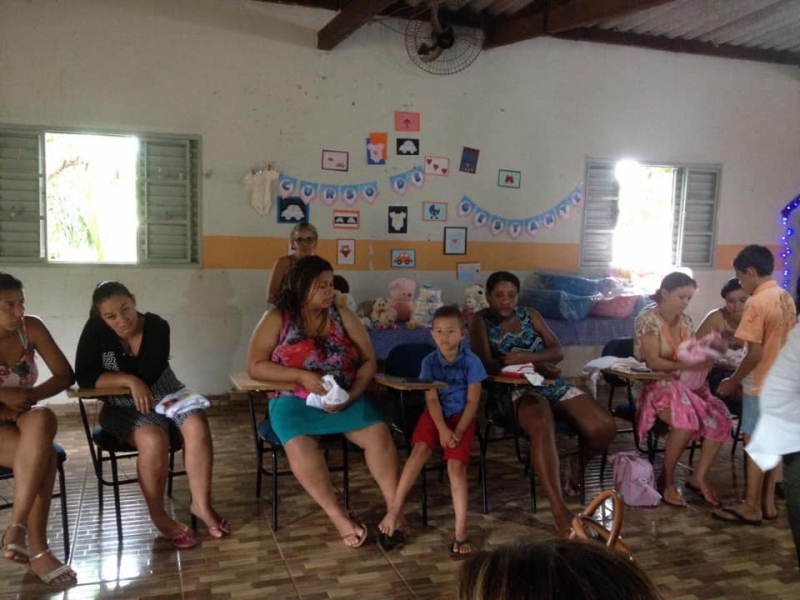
(693, 410)
(23, 373)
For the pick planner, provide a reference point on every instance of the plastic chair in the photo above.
(405, 360)
(102, 443)
(267, 442)
(6, 473)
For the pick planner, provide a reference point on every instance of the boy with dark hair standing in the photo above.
(448, 420)
(769, 316)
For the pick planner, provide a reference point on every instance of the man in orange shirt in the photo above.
(769, 316)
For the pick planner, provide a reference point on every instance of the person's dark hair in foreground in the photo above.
(554, 570)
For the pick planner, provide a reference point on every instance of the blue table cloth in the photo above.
(594, 331)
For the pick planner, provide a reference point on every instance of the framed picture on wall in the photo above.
(404, 258)
(292, 209)
(455, 240)
(335, 160)
(434, 211)
(509, 179)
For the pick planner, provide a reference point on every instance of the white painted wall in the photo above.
(246, 76)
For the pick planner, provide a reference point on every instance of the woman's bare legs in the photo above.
(198, 457)
(307, 462)
(699, 479)
(27, 447)
(536, 419)
(152, 467)
(675, 444)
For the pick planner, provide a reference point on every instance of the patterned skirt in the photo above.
(693, 410)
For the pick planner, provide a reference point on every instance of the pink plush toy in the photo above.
(694, 351)
(401, 297)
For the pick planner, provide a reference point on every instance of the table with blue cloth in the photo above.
(594, 331)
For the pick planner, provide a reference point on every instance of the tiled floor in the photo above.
(687, 553)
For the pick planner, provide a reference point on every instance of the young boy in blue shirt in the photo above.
(448, 420)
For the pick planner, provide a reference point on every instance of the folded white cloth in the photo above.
(182, 401)
(334, 396)
(596, 366)
(528, 370)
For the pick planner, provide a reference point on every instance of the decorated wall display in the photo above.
(509, 179)
(438, 166)
(328, 193)
(516, 227)
(335, 160)
(345, 252)
(377, 148)
(346, 219)
(292, 209)
(786, 242)
(455, 240)
(404, 259)
(434, 211)
(406, 121)
(398, 219)
(412, 178)
(469, 160)
(259, 184)
(468, 271)
(407, 146)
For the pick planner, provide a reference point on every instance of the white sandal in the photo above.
(55, 573)
(15, 548)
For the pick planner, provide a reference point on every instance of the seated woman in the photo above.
(507, 334)
(27, 432)
(691, 414)
(725, 320)
(121, 347)
(303, 239)
(302, 339)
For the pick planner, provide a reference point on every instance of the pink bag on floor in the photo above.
(634, 479)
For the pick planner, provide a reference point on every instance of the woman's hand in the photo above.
(16, 399)
(516, 358)
(548, 370)
(142, 396)
(727, 387)
(312, 382)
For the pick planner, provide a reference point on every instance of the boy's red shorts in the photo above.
(426, 433)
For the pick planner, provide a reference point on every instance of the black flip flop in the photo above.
(738, 518)
(390, 542)
(455, 547)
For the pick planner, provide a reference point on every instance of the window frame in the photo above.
(679, 228)
(194, 218)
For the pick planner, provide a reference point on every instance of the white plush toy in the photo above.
(474, 300)
(428, 300)
(382, 316)
(345, 301)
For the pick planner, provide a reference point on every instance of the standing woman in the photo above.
(121, 347)
(507, 334)
(27, 432)
(690, 414)
(303, 239)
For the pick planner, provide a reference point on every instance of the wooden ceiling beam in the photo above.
(683, 46)
(561, 18)
(355, 14)
(326, 4)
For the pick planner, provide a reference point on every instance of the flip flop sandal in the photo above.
(360, 539)
(696, 490)
(455, 547)
(390, 542)
(184, 540)
(677, 504)
(738, 518)
(19, 551)
(220, 530)
(49, 578)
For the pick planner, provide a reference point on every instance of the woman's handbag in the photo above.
(585, 527)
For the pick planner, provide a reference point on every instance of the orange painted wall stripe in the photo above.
(238, 252)
(727, 252)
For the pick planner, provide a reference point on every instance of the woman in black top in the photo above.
(121, 347)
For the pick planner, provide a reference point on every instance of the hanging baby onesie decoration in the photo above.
(259, 184)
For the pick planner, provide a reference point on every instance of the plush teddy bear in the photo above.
(401, 297)
(382, 316)
(474, 300)
(428, 300)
